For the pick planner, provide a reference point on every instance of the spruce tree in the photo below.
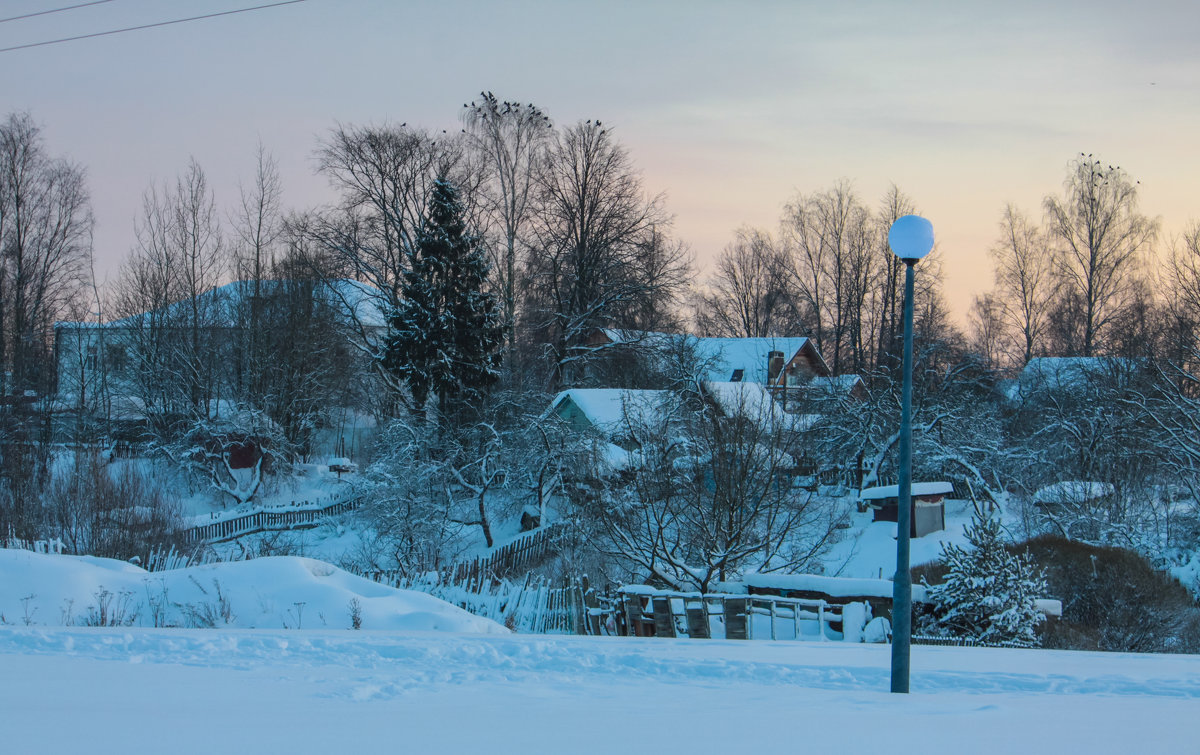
(990, 594)
(446, 331)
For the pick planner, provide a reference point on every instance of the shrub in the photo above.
(1113, 599)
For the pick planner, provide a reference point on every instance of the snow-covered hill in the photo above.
(283, 592)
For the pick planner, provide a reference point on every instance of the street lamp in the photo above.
(911, 238)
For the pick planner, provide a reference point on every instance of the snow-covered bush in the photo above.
(990, 593)
(234, 454)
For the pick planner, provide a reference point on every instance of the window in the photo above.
(115, 357)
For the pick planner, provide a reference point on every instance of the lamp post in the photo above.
(911, 238)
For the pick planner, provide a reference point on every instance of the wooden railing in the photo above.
(267, 520)
(646, 612)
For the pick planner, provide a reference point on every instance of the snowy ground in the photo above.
(473, 687)
(867, 549)
(234, 690)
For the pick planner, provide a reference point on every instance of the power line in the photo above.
(55, 10)
(149, 26)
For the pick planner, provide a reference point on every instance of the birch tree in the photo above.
(1101, 238)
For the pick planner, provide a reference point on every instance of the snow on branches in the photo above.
(989, 594)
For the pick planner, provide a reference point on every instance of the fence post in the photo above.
(633, 615)
(697, 619)
(737, 618)
(664, 621)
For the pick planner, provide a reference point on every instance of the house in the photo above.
(767, 361)
(792, 368)
(1045, 376)
(928, 499)
(617, 415)
(611, 411)
(129, 370)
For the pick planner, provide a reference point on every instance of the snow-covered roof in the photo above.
(918, 488)
(836, 587)
(1062, 373)
(835, 385)
(1073, 491)
(222, 306)
(752, 400)
(609, 409)
(723, 357)
(720, 358)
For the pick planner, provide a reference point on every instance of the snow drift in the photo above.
(277, 592)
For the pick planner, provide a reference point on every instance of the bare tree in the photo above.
(831, 238)
(988, 339)
(1101, 238)
(592, 225)
(704, 497)
(664, 265)
(747, 294)
(1180, 284)
(889, 306)
(511, 138)
(201, 248)
(45, 253)
(257, 224)
(170, 316)
(45, 249)
(1025, 279)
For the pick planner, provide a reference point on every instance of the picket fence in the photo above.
(267, 520)
(531, 606)
(521, 555)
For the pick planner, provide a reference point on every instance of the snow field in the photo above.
(336, 691)
(424, 676)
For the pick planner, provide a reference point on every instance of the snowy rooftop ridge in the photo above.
(721, 358)
(221, 306)
(1062, 373)
(608, 409)
(918, 488)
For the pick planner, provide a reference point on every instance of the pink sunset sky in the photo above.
(729, 108)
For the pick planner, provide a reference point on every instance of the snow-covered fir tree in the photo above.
(989, 594)
(447, 328)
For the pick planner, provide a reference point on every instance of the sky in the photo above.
(729, 109)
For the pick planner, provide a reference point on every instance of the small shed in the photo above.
(929, 508)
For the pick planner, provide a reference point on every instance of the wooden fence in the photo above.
(961, 642)
(532, 605)
(267, 520)
(664, 613)
(521, 555)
